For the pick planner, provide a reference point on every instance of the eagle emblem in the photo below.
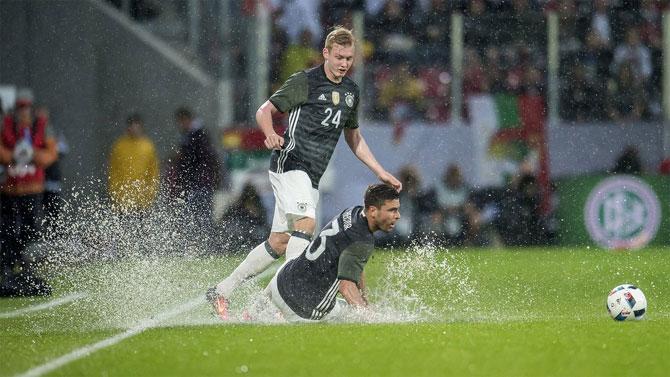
(349, 99)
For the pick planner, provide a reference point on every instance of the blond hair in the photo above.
(340, 35)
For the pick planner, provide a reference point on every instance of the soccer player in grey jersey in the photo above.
(322, 103)
(305, 287)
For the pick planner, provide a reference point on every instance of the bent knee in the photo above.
(305, 225)
(278, 242)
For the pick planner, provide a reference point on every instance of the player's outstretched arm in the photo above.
(360, 148)
(264, 120)
(351, 293)
(363, 288)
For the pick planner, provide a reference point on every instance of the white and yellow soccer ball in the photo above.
(626, 301)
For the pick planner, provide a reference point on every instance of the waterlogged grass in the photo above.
(551, 348)
(538, 312)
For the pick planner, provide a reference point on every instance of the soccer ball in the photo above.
(626, 301)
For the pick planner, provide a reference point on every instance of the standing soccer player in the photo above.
(321, 102)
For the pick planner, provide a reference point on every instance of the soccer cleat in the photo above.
(219, 303)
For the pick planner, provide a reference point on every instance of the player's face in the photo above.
(338, 60)
(386, 216)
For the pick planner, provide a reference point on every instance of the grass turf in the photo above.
(513, 313)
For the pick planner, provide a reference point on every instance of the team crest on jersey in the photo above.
(336, 98)
(349, 99)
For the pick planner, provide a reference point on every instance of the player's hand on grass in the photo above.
(274, 141)
(364, 313)
(390, 180)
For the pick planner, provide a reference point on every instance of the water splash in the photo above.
(425, 283)
(133, 265)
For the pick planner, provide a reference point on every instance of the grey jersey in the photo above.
(318, 111)
(309, 283)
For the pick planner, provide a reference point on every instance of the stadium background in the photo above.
(93, 62)
(128, 292)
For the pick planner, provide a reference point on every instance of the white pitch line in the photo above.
(46, 305)
(91, 348)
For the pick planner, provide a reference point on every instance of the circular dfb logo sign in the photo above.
(622, 212)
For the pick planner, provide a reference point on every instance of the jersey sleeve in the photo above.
(352, 122)
(292, 93)
(353, 260)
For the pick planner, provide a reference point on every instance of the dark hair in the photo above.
(183, 112)
(376, 195)
(134, 118)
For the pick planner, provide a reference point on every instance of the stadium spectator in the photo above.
(626, 97)
(628, 162)
(521, 222)
(436, 82)
(401, 95)
(415, 209)
(455, 218)
(568, 24)
(278, 44)
(244, 223)
(52, 200)
(595, 56)
(476, 25)
(194, 174)
(524, 24)
(433, 31)
(475, 80)
(298, 56)
(520, 62)
(532, 82)
(27, 147)
(580, 96)
(494, 70)
(295, 16)
(650, 24)
(133, 177)
(509, 36)
(601, 23)
(635, 54)
(392, 32)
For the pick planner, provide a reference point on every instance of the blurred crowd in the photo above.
(610, 52)
(610, 59)
(453, 214)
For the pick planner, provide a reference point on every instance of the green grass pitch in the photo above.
(527, 312)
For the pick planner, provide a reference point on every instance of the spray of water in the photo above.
(133, 265)
(425, 283)
(420, 284)
(130, 264)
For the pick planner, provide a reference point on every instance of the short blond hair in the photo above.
(340, 35)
